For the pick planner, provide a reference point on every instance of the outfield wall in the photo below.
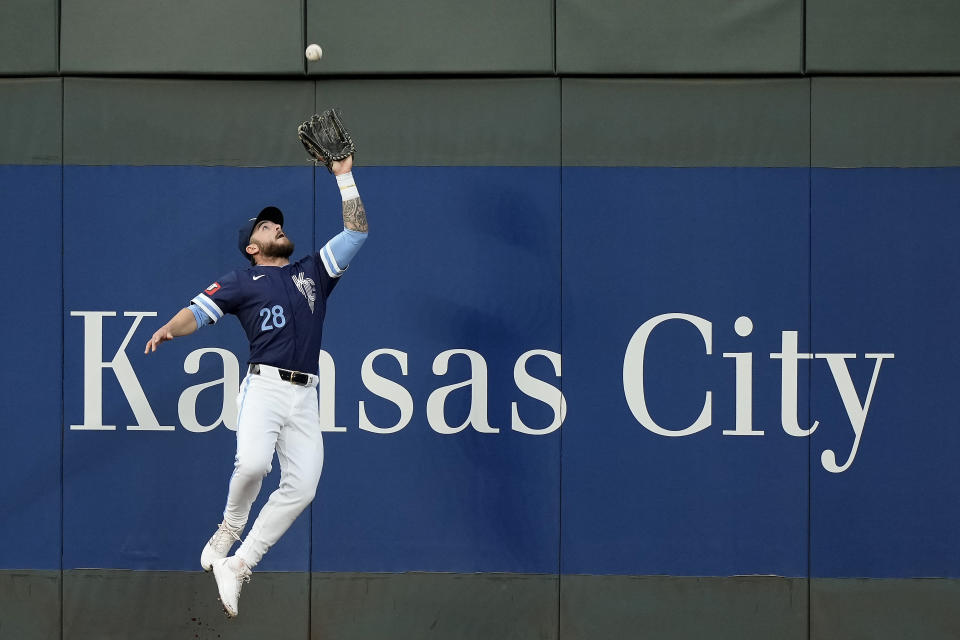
(571, 380)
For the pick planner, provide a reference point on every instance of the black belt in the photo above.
(293, 377)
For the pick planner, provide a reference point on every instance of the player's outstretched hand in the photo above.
(162, 335)
(339, 167)
(326, 139)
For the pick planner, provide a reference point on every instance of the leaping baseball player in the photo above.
(281, 305)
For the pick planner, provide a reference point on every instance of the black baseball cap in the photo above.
(271, 213)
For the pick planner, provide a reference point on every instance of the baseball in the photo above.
(314, 52)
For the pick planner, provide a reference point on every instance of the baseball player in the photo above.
(281, 305)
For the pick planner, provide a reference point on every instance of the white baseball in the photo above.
(314, 52)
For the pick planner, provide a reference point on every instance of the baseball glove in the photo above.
(326, 139)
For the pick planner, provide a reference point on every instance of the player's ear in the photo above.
(252, 249)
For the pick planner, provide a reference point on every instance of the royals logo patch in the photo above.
(306, 287)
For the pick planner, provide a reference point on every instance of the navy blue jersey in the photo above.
(281, 310)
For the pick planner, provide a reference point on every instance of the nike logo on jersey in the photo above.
(262, 275)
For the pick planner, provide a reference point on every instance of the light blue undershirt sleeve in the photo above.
(200, 315)
(345, 245)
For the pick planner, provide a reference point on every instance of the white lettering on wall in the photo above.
(788, 357)
(856, 412)
(478, 394)
(229, 385)
(93, 366)
(744, 386)
(538, 390)
(477, 385)
(386, 389)
(633, 374)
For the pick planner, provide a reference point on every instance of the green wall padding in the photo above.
(30, 113)
(882, 36)
(429, 36)
(412, 606)
(450, 122)
(679, 36)
(101, 604)
(185, 122)
(686, 123)
(884, 609)
(182, 36)
(683, 608)
(886, 122)
(29, 605)
(28, 37)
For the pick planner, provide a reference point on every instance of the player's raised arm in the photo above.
(328, 142)
(182, 324)
(354, 215)
(340, 250)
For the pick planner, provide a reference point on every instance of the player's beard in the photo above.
(282, 248)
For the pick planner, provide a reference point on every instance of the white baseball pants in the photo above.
(273, 415)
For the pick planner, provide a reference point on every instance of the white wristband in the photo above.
(348, 188)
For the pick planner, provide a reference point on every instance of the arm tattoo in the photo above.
(354, 215)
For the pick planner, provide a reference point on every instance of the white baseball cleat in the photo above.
(218, 546)
(229, 583)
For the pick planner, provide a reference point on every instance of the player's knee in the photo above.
(251, 468)
(303, 496)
